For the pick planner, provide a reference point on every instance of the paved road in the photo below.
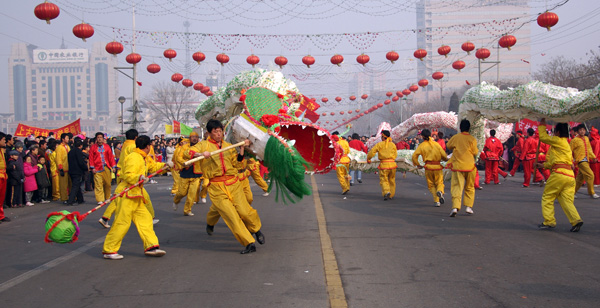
(398, 253)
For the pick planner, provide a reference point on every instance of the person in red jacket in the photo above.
(595, 143)
(493, 150)
(402, 145)
(517, 149)
(358, 145)
(542, 174)
(439, 138)
(528, 156)
(102, 164)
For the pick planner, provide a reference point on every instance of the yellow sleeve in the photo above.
(373, 151)
(415, 156)
(473, 148)
(61, 156)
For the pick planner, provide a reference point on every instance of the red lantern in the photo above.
(546, 20)
(133, 58)
(209, 93)
(326, 122)
(420, 54)
(482, 53)
(507, 41)
(368, 111)
(153, 68)
(391, 111)
(83, 31)
(308, 60)
(468, 47)
(170, 54)
(198, 57)
(324, 114)
(392, 56)
(413, 88)
(335, 121)
(324, 99)
(332, 113)
(177, 77)
(406, 92)
(423, 82)
(444, 50)
(389, 94)
(352, 97)
(252, 60)
(339, 99)
(399, 93)
(281, 61)
(395, 98)
(458, 65)
(349, 111)
(187, 83)
(379, 105)
(363, 59)
(205, 90)
(341, 112)
(337, 59)
(114, 48)
(437, 75)
(46, 11)
(357, 110)
(362, 114)
(222, 58)
(364, 96)
(387, 102)
(198, 86)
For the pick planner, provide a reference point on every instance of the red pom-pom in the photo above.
(277, 129)
(243, 98)
(335, 138)
(279, 95)
(269, 119)
(282, 111)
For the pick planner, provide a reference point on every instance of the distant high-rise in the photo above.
(50, 88)
(481, 22)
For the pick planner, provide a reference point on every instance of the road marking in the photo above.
(48, 265)
(335, 289)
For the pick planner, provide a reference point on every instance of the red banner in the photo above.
(176, 127)
(26, 130)
(524, 124)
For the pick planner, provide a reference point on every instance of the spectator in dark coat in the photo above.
(16, 178)
(77, 167)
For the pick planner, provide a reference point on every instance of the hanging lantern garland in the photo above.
(153, 68)
(170, 54)
(507, 41)
(546, 20)
(46, 11)
(83, 31)
(114, 48)
(198, 57)
(252, 60)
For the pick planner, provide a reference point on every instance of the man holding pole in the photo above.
(189, 178)
(583, 155)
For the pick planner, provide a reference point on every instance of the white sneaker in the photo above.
(99, 202)
(155, 221)
(104, 223)
(155, 253)
(454, 212)
(174, 206)
(437, 204)
(203, 200)
(469, 210)
(29, 204)
(266, 194)
(45, 201)
(113, 256)
(595, 196)
(188, 214)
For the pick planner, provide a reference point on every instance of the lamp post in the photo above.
(122, 101)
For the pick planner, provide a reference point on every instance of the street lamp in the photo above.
(122, 101)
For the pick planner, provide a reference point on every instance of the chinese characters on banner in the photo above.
(26, 130)
(524, 124)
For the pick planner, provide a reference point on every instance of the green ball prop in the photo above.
(66, 231)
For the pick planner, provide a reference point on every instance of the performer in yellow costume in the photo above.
(583, 155)
(54, 169)
(464, 148)
(127, 148)
(130, 206)
(189, 178)
(343, 166)
(62, 162)
(254, 168)
(561, 183)
(177, 166)
(225, 189)
(432, 154)
(386, 150)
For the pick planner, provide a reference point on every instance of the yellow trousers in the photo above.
(102, 184)
(202, 189)
(176, 178)
(230, 203)
(387, 180)
(463, 181)
(187, 187)
(247, 190)
(55, 186)
(64, 185)
(255, 174)
(585, 174)
(111, 207)
(435, 182)
(562, 188)
(129, 210)
(342, 174)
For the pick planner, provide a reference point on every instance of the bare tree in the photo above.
(560, 71)
(171, 102)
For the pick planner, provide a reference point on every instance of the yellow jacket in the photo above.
(135, 165)
(52, 160)
(582, 149)
(187, 153)
(432, 153)
(62, 160)
(222, 164)
(387, 154)
(127, 148)
(464, 148)
(177, 165)
(559, 153)
(3, 165)
(346, 149)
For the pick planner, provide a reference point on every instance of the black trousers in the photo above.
(75, 193)
(15, 193)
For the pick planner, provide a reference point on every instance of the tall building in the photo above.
(481, 22)
(50, 88)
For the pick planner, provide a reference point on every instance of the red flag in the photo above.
(467, 82)
(139, 83)
(176, 127)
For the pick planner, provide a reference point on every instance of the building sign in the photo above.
(26, 130)
(60, 55)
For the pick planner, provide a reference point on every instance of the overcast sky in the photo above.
(576, 33)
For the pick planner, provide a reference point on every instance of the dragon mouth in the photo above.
(314, 144)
